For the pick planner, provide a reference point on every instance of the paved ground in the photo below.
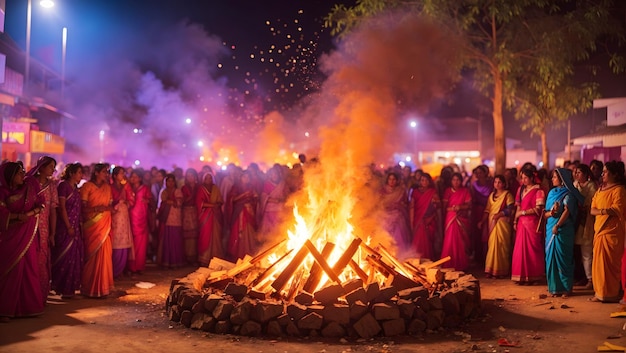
(136, 322)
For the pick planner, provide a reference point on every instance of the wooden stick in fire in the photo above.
(316, 271)
(288, 271)
(322, 262)
(270, 270)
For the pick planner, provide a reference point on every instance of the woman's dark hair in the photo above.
(395, 175)
(117, 170)
(10, 169)
(617, 168)
(70, 170)
(139, 173)
(502, 179)
(530, 174)
(431, 183)
(586, 171)
(193, 172)
(97, 168)
(168, 177)
(458, 175)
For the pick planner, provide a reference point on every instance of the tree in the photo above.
(503, 40)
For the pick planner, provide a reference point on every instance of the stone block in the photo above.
(312, 321)
(292, 329)
(198, 307)
(318, 309)
(333, 329)
(265, 311)
(416, 326)
(202, 321)
(188, 298)
(434, 319)
(185, 318)
(339, 313)
(419, 313)
(422, 302)
(250, 328)
(329, 294)
(304, 298)
(385, 294)
(235, 290)
(211, 301)
(223, 309)
(241, 313)
(373, 290)
(223, 327)
(413, 293)
(358, 294)
(435, 303)
(450, 303)
(296, 311)
(367, 327)
(283, 320)
(274, 329)
(394, 327)
(407, 308)
(357, 310)
(385, 311)
(173, 313)
(452, 320)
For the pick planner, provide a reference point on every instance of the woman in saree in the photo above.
(496, 223)
(20, 206)
(97, 279)
(243, 232)
(190, 216)
(272, 204)
(121, 234)
(456, 240)
(209, 202)
(46, 229)
(562, 205)
(609, 207)
(139, 201)
(481, 187)
(587, 186)
(528, 263)
(395, 205)
(68, 250)
(424, 215)
(170, 249)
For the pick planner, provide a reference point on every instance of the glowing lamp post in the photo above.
(29, 12)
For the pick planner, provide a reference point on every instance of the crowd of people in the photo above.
(98, 222)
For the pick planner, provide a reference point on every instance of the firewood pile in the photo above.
(382, 295)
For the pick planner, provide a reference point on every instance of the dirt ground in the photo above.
(136, 322)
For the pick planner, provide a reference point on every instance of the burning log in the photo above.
(270, 270)
(359, 272)
(285, 276)
(322, 262)
(316, 271)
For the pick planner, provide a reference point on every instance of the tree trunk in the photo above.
(545, 153)
(499, 145)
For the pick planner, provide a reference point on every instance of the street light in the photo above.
(29, 13)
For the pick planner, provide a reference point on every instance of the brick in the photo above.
(254, 294)
(384, 311)
(333, 329)
(237, 291)
(223, 327)
(283, 320)
(385, 295)
(304, 298)
(329, 294)
(373, 290)
(198, 307)
(450, 303)
(185, 318)
(394, 327)
(173, 314)
(422, 303)
(222, 310)
(292, 329)
(407, 308)
(434, 319)
(188, 298)
(203, 321)
(413, 293)
(357, 295)
(318, 309)
(241, 313)
(312, 321)
(274, 329)
(250, 328)
(416, 326)
(265, 311)
(211, 302)
(435, 303)
(296, 311)
(367, 327)
(358, 310)
(339, 313)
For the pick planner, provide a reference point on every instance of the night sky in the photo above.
(140, 69)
